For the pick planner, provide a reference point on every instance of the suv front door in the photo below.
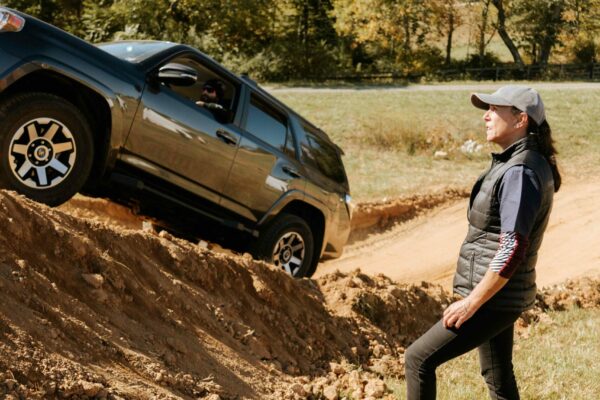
(182, 138)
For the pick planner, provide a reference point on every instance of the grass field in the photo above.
(390, 137)
(557, 361)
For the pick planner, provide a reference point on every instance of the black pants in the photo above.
(491, 331)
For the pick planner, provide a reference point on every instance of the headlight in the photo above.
(10, 22)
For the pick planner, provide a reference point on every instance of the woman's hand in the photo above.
(458, 312)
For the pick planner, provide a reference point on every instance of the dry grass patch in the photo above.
(390, 137)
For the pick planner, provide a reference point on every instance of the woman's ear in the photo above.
(522, 120)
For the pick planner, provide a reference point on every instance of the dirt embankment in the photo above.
(107, 312)
(374, 217)
(91, 309)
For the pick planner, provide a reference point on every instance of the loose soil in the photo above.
(95, 305)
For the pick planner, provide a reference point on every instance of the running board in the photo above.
(138, 185)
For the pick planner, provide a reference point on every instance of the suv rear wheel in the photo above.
(287, 243)
(48, 147)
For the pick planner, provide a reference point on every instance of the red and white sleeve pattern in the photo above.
(510, 254)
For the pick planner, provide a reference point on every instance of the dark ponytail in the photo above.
(543, 134)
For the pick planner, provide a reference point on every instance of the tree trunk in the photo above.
(551, 34)
(504, 34)
(482, 28)
(406, 25)
(449, 42)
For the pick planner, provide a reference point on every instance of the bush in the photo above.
(585, 50)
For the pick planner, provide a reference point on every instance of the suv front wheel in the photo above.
(47, 147)
(287, 243)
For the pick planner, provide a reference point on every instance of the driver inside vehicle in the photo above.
(211, 98)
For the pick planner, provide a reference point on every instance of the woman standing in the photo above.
(508, 213)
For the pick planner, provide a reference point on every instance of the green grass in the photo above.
(558, 361)
(390, 137)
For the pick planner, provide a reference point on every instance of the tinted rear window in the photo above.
(267, 124)
(323, 155)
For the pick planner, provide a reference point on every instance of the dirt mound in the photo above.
(94, 310)
(101, 210)
(98, 311)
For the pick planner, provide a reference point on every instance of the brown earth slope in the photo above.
(93, 307)
(107, 312)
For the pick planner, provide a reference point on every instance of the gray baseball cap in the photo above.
(523, 98)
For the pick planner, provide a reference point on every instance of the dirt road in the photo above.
(426, 249)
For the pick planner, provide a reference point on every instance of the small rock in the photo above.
(10, 384)
(440, 155)
(94, 280)
(91, 389)
(378, 351)
(357, 394)
(395, 291)
(354, 380)
(331, 392)
(213, 397)
(375, 388)
(298, 389)
(337, 368)
(165, 235)
(147, 227)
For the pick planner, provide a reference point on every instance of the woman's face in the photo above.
(503, 127)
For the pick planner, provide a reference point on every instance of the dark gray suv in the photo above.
(121, 120)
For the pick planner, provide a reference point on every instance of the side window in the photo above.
(210, 87)
(322, 155)
(268, 124)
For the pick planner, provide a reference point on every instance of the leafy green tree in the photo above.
(581, 35)
(540, 23)
(396, 31)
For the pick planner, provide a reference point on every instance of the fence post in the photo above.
(592, 71)
(497, 72)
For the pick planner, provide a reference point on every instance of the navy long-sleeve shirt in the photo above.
(520, 198)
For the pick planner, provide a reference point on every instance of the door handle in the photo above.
(291, 171)
(227, 137)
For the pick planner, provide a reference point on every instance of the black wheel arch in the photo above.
(315, 220)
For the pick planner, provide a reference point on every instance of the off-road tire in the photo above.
(46, 146)
(285, 240)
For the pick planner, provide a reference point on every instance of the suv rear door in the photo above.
(265, 167)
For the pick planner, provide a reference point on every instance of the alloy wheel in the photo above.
(42, 153)
(288, 253)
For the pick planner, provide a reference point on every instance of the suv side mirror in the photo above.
(177, 75)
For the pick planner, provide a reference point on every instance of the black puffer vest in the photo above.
(483, 237)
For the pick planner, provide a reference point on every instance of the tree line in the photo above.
(300, 39)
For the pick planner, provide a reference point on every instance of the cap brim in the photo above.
(483, 101)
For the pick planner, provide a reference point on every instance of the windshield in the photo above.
(134, 52)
